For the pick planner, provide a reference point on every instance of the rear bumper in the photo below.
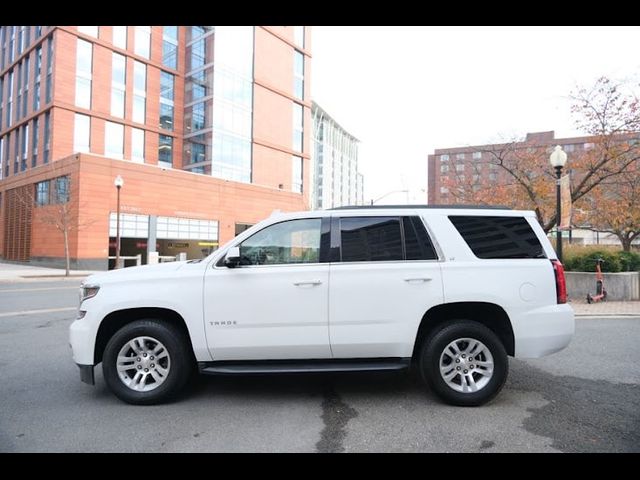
(544, 331)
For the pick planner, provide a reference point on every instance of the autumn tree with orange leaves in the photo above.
(520, 176)
(614, 208)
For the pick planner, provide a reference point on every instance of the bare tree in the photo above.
(56, 207)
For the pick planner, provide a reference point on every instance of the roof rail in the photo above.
(459, 207)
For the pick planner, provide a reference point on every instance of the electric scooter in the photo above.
(601, 293)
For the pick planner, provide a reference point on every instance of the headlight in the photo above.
(88, 291)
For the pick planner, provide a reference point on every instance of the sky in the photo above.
(405, 91)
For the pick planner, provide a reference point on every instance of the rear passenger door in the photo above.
(384, 276)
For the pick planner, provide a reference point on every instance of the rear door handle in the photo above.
(418, 279)
(307, 283)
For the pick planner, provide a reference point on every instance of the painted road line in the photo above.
(42, 289)
(33, 312)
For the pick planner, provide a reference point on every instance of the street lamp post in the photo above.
(558, 159)
(389, 193)
(118, 182)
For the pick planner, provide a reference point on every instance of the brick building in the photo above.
(208, 126)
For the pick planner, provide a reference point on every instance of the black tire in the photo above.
(180, 357)
(436, 343)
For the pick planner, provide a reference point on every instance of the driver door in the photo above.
(274, 304)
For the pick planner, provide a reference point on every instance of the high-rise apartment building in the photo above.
(334, 162)
(209, 127)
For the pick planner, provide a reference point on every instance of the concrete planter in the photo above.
(619, 286)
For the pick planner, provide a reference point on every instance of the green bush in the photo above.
(584, 260)
(629, 261)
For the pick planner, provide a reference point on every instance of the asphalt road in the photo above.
(584, 399)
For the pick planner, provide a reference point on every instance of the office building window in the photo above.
(296, 174)
(81, 133)
(10, 100)
(62, 189)
(166, 100)
(137, 145)
(477, 155)
(233, 97)
(460, 167)
(24, 148)
(170, 46)
(120, 36)
(47, 137)
(444, 158)
(89, 30)
(49, 87)
(21, 39)
(25, 86)
(298, 36)
(444, 168)
(42, 193)
(1, 157)
(118, 82)
(142, 41)
(298, 112)
(1, 105)
(139, 91)
(3, 51)
(19, 87)
(114, 140)
(165, 151)
(34, 142)
(7, 143)
(12, 38)
(84, 66)
(37, 73)
(298, 74)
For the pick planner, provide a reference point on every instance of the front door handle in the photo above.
(418, 279)
(307, 283)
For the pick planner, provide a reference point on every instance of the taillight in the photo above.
(561, 284)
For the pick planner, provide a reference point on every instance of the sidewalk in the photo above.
(606, 309)
(10, 272)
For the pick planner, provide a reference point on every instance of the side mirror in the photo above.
(232, 258)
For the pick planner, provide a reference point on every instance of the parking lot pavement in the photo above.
(583, 399)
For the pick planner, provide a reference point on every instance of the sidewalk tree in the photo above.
(56, 206)
(614, 207)
(609, 112)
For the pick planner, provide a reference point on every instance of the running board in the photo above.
(302, 366)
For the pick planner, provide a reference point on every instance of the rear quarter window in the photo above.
(498, 237)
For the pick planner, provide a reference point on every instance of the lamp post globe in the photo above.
(558, 160)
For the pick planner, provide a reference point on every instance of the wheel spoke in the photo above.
(135, 347)
(471, 348)
(473, 387)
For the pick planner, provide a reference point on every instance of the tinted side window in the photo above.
(370, 239)
(498, 237)
(294, 241)
(417, 243)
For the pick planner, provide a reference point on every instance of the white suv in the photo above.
(453, 291)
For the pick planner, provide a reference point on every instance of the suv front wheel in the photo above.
(464, 363)
(147, 362)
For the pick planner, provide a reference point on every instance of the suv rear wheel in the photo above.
(464, 363)
(147, 362)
